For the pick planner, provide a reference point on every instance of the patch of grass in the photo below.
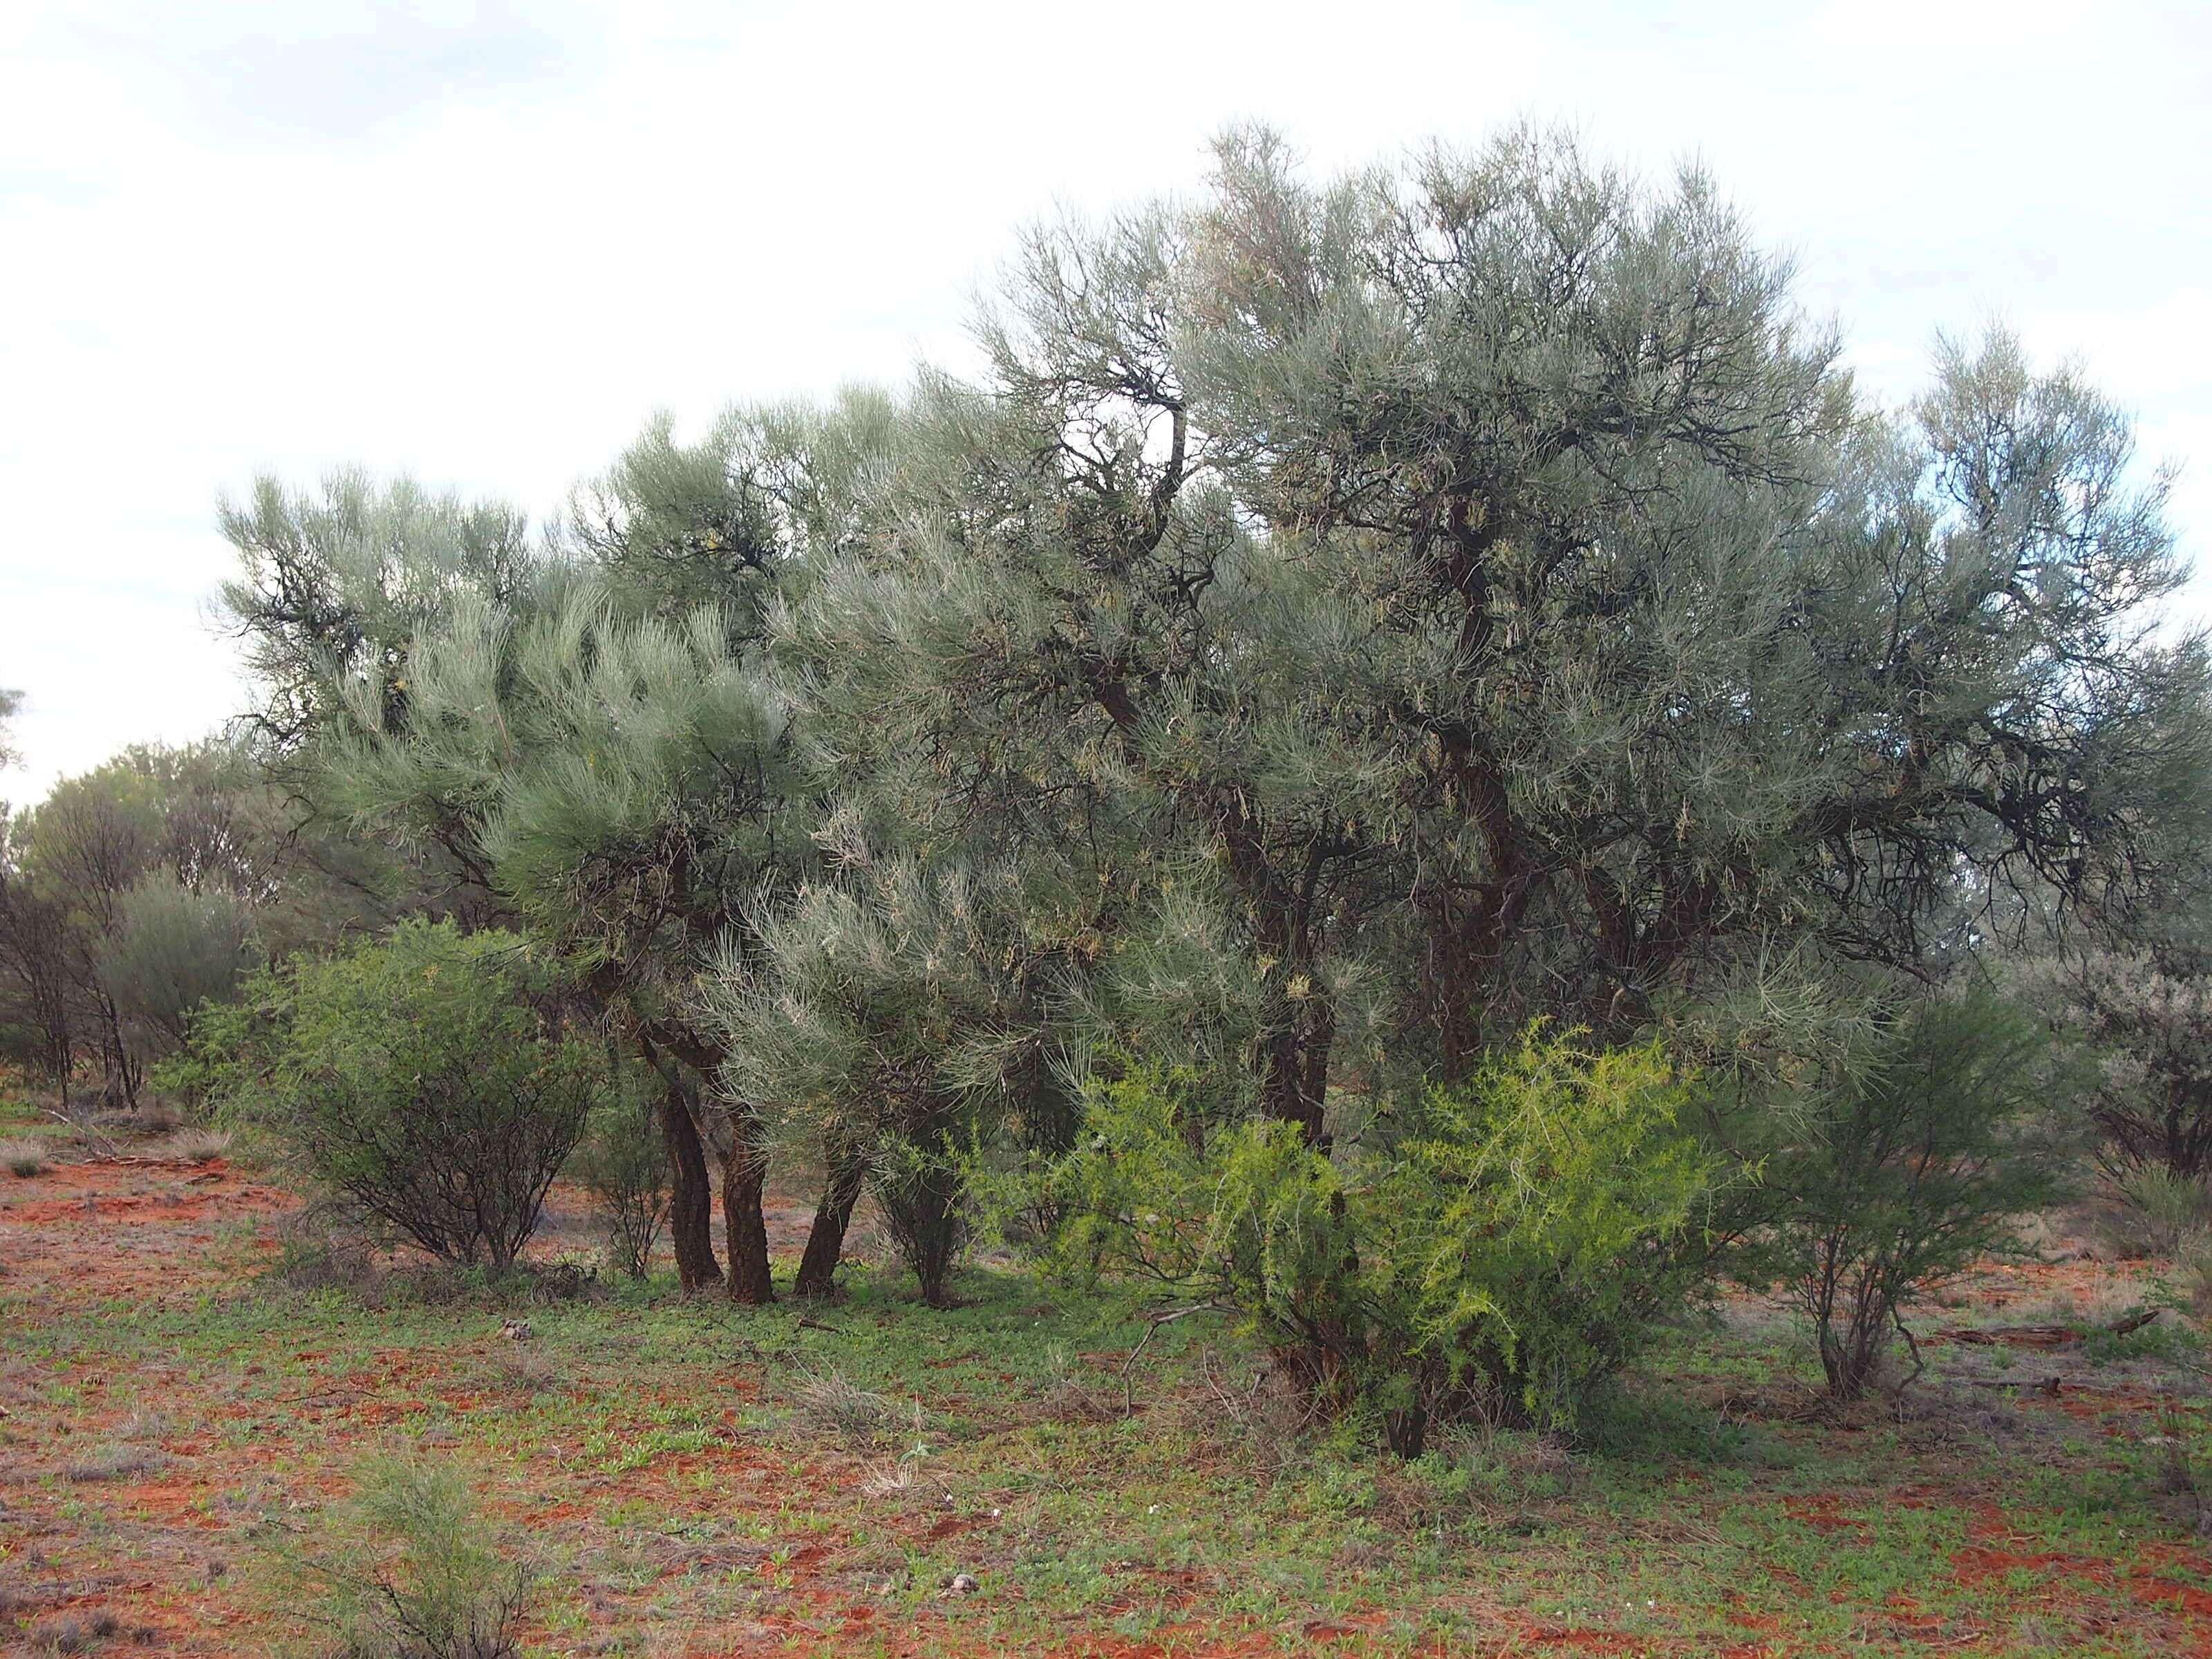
(82, 1632)
(834, 1406)
(195, 1146)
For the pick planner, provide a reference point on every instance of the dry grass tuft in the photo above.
(834, 1406)
(527, 1369)
(2152, 1212)
(197, 1145)
(23, 1157)
(155, 1118)
(78, 1632)
(117, 1463)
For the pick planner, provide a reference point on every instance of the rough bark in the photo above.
(825, 1241)
(744, 1174)
(690, 1197)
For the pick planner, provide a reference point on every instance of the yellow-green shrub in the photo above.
(1499, 1246)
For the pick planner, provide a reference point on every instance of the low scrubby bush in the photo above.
(1914, 1158)
(407, 1570)
(623, 1162)
(2154, 1212)
(419, 1077)
(1496, 1250)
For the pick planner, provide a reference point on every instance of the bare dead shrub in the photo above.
(1261, 1413)
(331, 1262)
(1073, 1395)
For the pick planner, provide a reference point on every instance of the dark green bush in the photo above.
(418, 1076)
(1496, 1250)
(1914, 1159)
(920, 1187)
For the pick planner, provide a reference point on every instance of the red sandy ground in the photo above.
(146, 1231)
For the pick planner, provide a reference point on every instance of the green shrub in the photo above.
(1495, 1250)
(1912, 1163)
(623, 1162)
(229, 1047)
(2158, 1213)
(416, 1076)
(920, 1187)
(405, 1571)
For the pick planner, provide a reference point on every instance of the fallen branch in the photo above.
(2048, 1336)
(86, 1127)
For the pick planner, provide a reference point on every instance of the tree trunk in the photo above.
(1294, 1083)
(690, 1197)
(923, 1210)
(825, 1242)
(1405, 1431)
(744, 1174)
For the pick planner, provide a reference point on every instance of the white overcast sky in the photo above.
(483, 242)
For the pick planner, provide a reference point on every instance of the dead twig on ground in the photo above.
(1153, 1321)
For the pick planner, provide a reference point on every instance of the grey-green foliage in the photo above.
(1407, 605)
(1341, 621)
(170, 950)
(331, 585)
(2143, 1010)
(584, 725)
(896, 1009)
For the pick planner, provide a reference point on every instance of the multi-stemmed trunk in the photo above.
(921, 1207)
(934, 1242)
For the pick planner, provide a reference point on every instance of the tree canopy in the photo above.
(1342, 623)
